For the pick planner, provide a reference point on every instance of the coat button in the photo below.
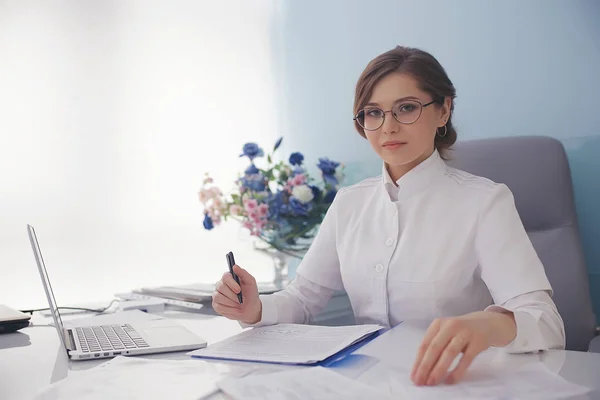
(389, 242)
(379, 267)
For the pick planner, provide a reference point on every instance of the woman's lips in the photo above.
(393, 145)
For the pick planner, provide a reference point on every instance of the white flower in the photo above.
(303, 193)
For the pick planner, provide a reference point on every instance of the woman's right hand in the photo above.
(225, 300)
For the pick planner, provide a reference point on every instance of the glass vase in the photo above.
(285, 262)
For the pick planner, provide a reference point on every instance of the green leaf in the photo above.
(269, 159)
(269, 175)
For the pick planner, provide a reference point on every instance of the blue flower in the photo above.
(299, 208)
(298, 170)
(276, 203)
(252, 170)
(208, 222)
(329, 196)
(255, 182)
(316, 191)
(296, 158)
(330, 179)
(251, 150)
(278, 143)
(327, 166)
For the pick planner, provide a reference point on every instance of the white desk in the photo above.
(33, 358)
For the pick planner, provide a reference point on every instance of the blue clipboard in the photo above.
(323, 363)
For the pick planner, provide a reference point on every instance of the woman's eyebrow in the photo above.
(374, 104)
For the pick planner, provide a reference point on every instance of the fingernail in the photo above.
(430, 381)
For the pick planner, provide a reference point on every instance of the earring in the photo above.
(445, 131)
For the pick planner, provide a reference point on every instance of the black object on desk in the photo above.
(231, 263)
(12, 320)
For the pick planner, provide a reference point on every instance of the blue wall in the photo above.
(520, 68)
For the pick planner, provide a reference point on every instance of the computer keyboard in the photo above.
(109, 337)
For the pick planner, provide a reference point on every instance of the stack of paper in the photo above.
(139, 378)
(529, 382)
(289, 343)
(197, 292)
(314, 383)
(488, 377)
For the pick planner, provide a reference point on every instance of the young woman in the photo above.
(421, 241)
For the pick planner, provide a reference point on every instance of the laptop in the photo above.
(110, 340)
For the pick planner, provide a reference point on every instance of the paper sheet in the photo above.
(287, 343)
(311, 383)
(140, 378)
(529, 382)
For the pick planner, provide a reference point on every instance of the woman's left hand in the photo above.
(469, 334)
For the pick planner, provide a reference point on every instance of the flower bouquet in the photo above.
(280, 203)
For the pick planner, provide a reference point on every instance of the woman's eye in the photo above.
(375, 112)
(405, 108)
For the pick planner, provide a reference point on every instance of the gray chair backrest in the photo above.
(536, 170)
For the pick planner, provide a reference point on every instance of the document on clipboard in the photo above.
(290, 344)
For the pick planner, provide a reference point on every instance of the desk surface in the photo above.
(33, 358)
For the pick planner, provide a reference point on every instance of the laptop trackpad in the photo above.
(162, 335)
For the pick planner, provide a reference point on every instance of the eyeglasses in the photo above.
(406, 112)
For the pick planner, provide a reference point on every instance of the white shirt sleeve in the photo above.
(298, 303)
(539, 325)
(515, 276)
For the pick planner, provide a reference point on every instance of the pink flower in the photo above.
(298, 180)
(254, 216)
(263, 210)
(216, 191)
(214, 214)
(204, 195)
(261, 224)
(250, 204)
(218, 202)
(234, 209)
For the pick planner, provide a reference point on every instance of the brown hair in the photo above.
(422, 66)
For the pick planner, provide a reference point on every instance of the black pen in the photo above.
(231, 263)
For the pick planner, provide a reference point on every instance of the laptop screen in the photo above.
(46, 282)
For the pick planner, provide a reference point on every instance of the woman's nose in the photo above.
(390, 125)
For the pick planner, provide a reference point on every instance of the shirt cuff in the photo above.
(269, 312)
(529, 338)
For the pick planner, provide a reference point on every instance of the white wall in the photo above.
(111, 112)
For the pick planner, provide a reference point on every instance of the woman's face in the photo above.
(403, 145)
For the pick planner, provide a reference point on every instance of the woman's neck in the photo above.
(398, 171)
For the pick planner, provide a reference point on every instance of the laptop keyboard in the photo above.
(109, 337)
